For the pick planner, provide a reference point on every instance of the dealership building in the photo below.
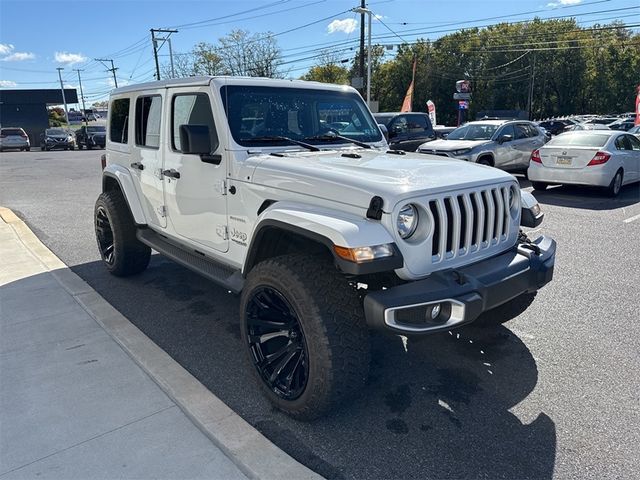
(28, 108)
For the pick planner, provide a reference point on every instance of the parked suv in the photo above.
(90, 137)
(53, 138)
(286, 192)
(406, 131)
(14, 138)
(506, 144)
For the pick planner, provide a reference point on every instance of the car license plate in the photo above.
(563, 160)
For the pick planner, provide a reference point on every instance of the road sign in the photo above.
(463, 105)
(461, 96)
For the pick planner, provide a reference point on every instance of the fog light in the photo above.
(435, 311)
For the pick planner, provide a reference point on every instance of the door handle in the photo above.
(137, 165)
(173, 173)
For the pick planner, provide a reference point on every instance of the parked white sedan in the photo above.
(608, 159)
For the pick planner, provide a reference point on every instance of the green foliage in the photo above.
(57, 117)
(573, 69)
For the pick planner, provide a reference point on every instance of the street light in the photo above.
(370, 13)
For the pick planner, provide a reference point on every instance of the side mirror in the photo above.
(445, 135)
(195, 140)
(383, 129)
(505, 138)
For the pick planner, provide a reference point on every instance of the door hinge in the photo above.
(162, 211)
(221, 187)
(223, 231)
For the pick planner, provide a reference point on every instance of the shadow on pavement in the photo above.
(435, 407)
(584, 197)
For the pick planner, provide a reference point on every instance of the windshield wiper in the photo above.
(330, 136)
(278, 138)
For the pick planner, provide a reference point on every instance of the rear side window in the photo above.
(521, 131)
(192, 109)
(634, 142)
(148, 115)
(532, 130)
(417, 123)
(119, 127)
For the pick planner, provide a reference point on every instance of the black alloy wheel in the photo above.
(104, 235)
(277, 343)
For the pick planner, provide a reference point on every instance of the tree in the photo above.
(243, 54)
(206, 60)
(328, 70)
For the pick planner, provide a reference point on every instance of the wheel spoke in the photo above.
(277, 370)
(289, 378)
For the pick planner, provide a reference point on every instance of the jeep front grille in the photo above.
(468, 223)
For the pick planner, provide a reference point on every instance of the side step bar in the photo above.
(223, 275)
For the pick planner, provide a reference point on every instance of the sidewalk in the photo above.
(73, 404)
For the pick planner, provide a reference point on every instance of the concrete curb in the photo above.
(253, 453)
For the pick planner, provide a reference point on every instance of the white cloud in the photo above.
(7, 84)
(563, 3)
(19, 57)
(69, 58)
(347, 25)
(5, 48)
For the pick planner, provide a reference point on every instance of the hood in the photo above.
(59, 136)
(331, 175)
(449, 145)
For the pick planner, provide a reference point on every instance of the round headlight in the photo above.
(407, 221)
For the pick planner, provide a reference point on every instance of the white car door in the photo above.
(195, 199)
(632, 145)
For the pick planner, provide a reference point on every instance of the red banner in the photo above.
(638, 107)
(408, 98)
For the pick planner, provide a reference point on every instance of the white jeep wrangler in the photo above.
(286, 192)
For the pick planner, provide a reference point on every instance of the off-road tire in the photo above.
(507, 311)
(613, 190)
(333, 326)
(130, 256)
(540, 186)
(28, 149)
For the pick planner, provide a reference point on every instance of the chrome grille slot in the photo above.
(468, 224)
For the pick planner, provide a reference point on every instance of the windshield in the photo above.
(578, 140)
(257, 115)
(473, 131)
(96, 129)
(55, 131)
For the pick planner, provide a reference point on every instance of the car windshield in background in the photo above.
(101, 129)
(476, 131)
(260, 116)
(578, 140)
(384, 119)
(55, 131)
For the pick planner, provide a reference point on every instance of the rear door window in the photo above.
(148, 115)
(417, 123)
(119, 126)
(521, 131)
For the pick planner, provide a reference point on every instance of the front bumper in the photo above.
(462, 294)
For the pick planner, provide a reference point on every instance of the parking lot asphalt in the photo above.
(551, 394)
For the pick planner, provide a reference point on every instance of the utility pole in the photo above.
(112, 69)
(533, 79)
(84, 108)
(64, 100)
(361, 63)
(362, 11)
(154, 41)
(168, 40)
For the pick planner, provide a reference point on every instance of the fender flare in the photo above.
(121, 175)
(329, 228)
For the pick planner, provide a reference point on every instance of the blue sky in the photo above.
(38, 36)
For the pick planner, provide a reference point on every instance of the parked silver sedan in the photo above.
(602, 158)
(506, 144)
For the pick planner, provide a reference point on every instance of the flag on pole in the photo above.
(638, 107)
(408, 98)
(431, 109)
